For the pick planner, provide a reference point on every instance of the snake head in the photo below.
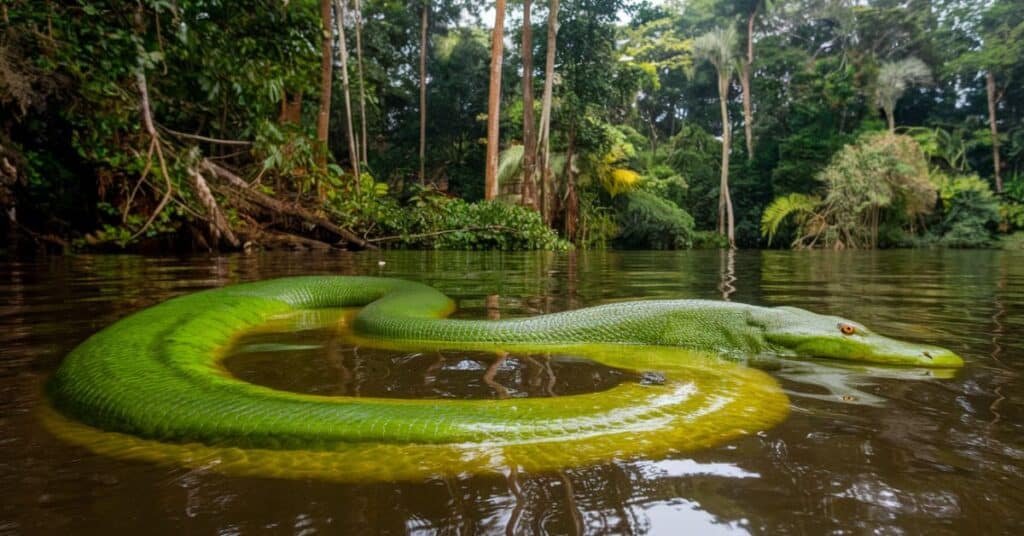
(812, 335)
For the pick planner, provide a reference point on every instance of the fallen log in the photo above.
(283, 207)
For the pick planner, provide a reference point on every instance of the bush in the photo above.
(597, 223)
(970, 212)
(709, 240)
(487, 225)
(1013, 241)
(650, 222)
(433, 221)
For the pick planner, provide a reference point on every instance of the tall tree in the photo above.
(529, 135)
(717, 47)
(353, 151)
(1002, 46)
(494, 102)
(993, 97)
(323, 119)
(363, 141)
(745, 73)
(423, 91)
(546, 183)
(894, 78)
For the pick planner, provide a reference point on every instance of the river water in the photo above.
(886, 451)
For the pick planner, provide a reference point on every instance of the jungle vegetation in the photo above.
(204, 125)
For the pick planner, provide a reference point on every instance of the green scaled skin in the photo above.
(155, 375)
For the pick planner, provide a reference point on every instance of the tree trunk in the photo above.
(890, 118)
(364, 141)
(353, 151)
(546, 186)
(724, 199)
(572, 206)
(748, 114)
(423, 93)
(529, 136)
(494, 103)
(990, 87)
(323, 119)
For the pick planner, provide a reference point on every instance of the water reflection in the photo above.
(727, 272)
(934, 455)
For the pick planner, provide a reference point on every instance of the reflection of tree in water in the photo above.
(727, 272)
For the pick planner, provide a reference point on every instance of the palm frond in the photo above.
(510, 163)
(784, 206)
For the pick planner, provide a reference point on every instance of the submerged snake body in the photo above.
(155, 376)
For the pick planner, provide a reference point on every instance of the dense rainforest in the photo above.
(169, 125)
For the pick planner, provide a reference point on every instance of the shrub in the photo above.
(597, 223)
(487, 225)
(429, 220)
(970, 212)
(879, 183)
(650, 222)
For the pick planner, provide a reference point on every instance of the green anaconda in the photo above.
(151, 386)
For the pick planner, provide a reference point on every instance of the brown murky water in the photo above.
(863, 450)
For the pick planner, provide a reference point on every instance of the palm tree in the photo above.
(494, 102)
(717, 48)
(893, 80)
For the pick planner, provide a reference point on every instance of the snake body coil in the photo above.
(153, 380)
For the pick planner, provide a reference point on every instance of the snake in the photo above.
(152, 386)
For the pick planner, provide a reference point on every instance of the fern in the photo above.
(798, 205)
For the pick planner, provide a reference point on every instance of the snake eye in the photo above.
(847, 329)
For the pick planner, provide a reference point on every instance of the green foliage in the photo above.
(663, 181)
(1014, 241)
(946, 148)
(880, 179)
(880, 182)
(430, 220)
(694, 154)
(628, 104)
(609, 165)
(444, 223)
(800, 206)
(1011, 216)
(649, 222)
(598, 225)
(818, 112)
(709, 240)
(970, 212)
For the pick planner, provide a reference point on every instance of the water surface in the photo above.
(863, 450)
